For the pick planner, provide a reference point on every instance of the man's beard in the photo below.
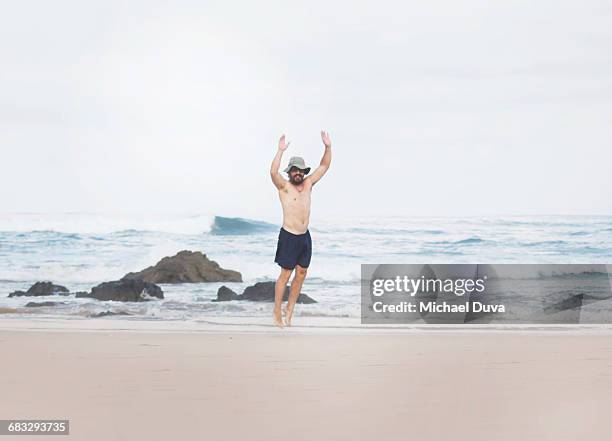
(297, 179)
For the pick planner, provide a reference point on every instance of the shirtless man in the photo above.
(294, 246)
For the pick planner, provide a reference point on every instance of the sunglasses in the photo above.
(296, 170)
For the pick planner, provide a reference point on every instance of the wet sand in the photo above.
(290, 385)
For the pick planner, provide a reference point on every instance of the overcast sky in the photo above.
(434, 108)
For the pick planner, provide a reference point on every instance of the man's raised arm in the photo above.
(325, 160)
(277, 179)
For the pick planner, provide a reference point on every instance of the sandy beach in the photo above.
(293, 385)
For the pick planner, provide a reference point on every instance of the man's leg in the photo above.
(279, 291)
(296, 287)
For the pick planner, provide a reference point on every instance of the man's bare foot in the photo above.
(278, 318)
(288, 314)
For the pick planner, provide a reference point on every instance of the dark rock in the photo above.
(225, 294)
(107, 313)
(41, 289)
(37, 304)
(186, 267)
(573, 302)
(125, 291)
(260, 292)
(17, 294)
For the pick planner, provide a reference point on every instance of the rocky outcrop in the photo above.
(107, 313)
(39, 304)
(41, 289)
(225, 294)
(260, 292)
(186, 267)
(125, 291)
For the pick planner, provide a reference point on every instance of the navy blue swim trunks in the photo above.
(293, 249)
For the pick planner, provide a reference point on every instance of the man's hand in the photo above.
(281, 144)
(325, 160)
(277, 179)
(325, 138)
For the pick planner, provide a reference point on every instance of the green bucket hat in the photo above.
(298, 162)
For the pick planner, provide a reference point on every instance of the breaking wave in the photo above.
(225, 226)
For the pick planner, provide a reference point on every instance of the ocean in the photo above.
(80, 250)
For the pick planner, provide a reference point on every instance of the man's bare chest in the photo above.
(294, 196)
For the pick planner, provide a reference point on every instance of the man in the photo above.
(294, 246)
